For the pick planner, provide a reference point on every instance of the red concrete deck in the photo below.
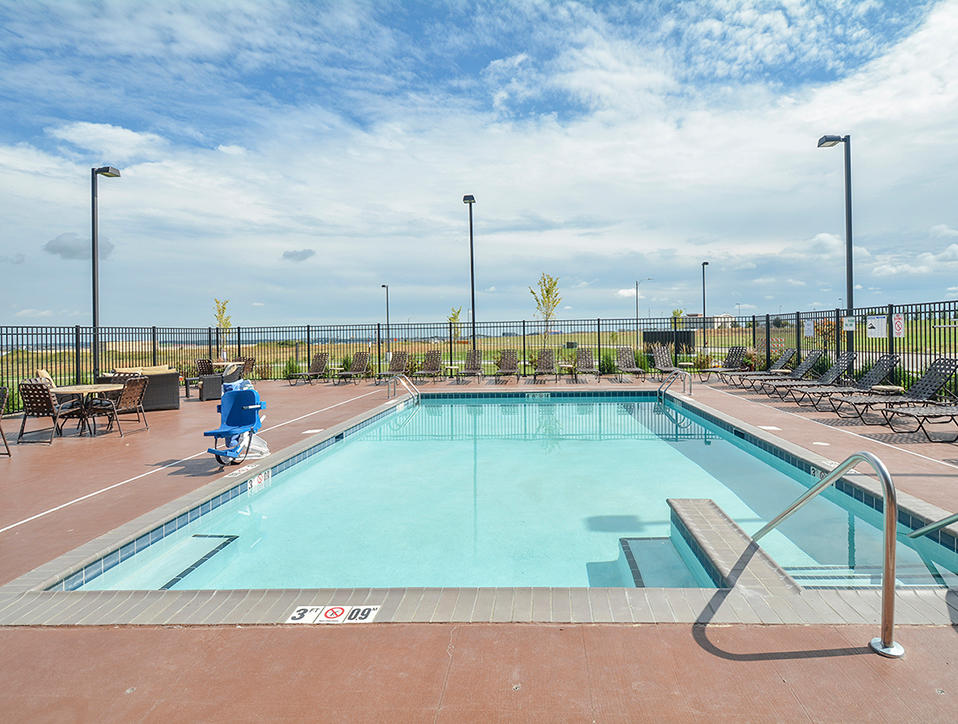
(431, 672)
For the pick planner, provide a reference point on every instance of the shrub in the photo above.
(702, 362)
(290, 368)
(346, 361)
(607, 364)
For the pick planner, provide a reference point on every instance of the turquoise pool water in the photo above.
(502, 492)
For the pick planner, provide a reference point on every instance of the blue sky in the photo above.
(293, 156)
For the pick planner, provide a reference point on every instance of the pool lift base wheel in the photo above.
(242, 443)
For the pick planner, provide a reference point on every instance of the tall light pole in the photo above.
(388, 335)
(828, 142)
(637, 282)
(109, 172)
(469, 200)
(704, 339)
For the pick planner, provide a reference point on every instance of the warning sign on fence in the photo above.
(898, 324)
(878, 326)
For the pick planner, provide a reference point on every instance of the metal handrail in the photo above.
(884, 644)
(932, 527)
(407, 383)
(667, 383)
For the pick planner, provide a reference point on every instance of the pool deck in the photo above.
(62, 496)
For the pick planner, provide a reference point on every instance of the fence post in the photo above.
(838, 332)
(768, 341)
(754, 333)
(209, 342)
(598, 343)
(76, 356)
(450, 342)
(239, 344)
(798, 333)
(155, 349)
(675, 341)
(309, 356)
(524, 347)
(889, 330)
(379, 350)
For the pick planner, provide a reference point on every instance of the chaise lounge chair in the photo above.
(662, 361)
(431, 364)
(814, 395)
(585, 364)
(923, 390)
(545, 365)
(359, 367)
(733, 362)
(922, 415)
(4, 393)
(802, 369)
(473, 366)
(508, 365)
(625, 362)
(317, 369)
(737, 378)
(830, 376)
(397, 365)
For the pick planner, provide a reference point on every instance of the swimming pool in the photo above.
(532, 490)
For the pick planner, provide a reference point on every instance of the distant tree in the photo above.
(678, 312)
(454, 319)
(547, 298)
(223, 320)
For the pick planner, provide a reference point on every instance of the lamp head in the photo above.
(384, 286)
(829, 141)
(468, 199)
(705, 263)
(107, 171)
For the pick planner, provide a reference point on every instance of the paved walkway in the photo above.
(429, 672)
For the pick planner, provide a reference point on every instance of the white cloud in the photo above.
(110, 143)
(34, 313)
(73, 246)
(626, 293)
(231, 150)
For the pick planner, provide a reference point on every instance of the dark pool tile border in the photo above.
(678, 524)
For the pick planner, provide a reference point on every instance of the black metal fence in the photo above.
(918, 332)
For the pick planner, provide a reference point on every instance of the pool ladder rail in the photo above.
(394, 381)
(884, 644)
(667, 383)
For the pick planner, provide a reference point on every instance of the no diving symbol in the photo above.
(898, 324)
(334, 613)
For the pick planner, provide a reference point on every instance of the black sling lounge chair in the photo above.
(625, 361)
(832, 375)
(317, 369)
(923, 390)
(662, 361)
(736, 378)
(431, 364)
(815, 395)
(922, 415)
(358, 368)
(508, 365)
(585, 364)
(732, 363)
(545, 365)
(472, 367)
(397, 366)
(802, 369)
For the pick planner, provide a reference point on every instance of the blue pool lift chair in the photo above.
(239, 420)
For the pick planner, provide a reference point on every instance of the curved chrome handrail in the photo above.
(885, 644)
(932, 527)
(407, 383)
(667, 383)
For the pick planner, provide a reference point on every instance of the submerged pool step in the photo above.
(837, 576)
(658, 563)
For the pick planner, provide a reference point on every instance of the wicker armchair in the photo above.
(128, 401)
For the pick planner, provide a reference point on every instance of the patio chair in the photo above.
(128, 401)
(625, 362)
(801, 369)
(508, 365)
(922, 415)
(738, 378)
(830, 376)
(358, 368)
(473, 366)
(317, 368)
(39, 400)
(923, 390)
(814, 395)
(204, 368)
(733, 362)
(248, 364)
(431, 364)
(397, 365)
(545, 365)
(585, 364)
(4, 394)
(662, 361)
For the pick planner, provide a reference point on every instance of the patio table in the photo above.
(570, 369)
(86, 392)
